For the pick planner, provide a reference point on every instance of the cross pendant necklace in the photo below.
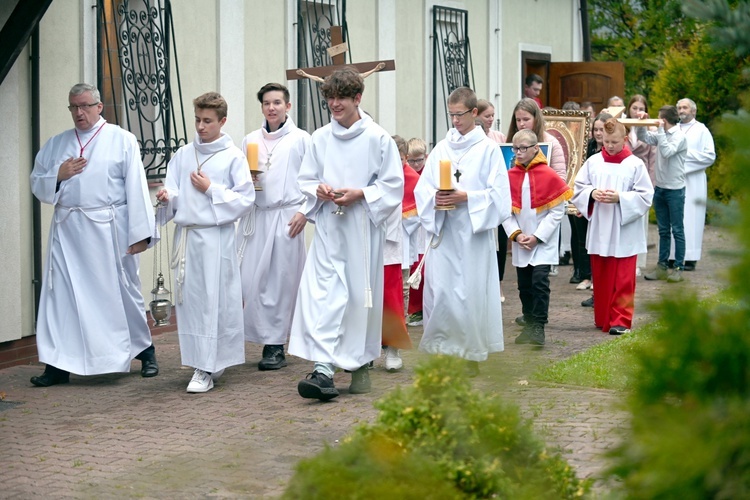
(458, 173)
(270, 154)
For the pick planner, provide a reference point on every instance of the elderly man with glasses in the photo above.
(91, 317)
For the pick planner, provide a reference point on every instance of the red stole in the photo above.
(619, 157)
(547, 188)
(409, 203)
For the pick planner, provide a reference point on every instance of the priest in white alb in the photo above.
(700, 156)
(271, 239)
(92, 317)
(353, 180)
(462, 309)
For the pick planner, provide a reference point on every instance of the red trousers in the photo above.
(614, 291)
(415, 295)
(394, 326)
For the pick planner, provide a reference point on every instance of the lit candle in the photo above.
(252, 155)
(445, 174)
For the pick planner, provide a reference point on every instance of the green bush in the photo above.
(691, 390)
(712, 78)
(439, 439)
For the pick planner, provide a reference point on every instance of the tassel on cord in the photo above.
(366, 241)
(247, 225)
(416, 278)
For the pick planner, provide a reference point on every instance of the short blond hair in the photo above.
(416, 147)
(525, 134)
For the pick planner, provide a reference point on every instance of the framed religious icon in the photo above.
(571, 129)
(509, 157)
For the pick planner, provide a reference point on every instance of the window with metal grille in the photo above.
(451, 63)
(137, 72)
(314, 20)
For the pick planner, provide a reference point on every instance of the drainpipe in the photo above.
(585, 30)
(36, 211)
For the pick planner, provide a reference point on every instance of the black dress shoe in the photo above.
(149, 367)
(588, 302)
(576, 278)
(689, 265)
(51, 376)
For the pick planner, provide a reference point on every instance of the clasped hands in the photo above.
(605, 196)
(342, 196)
(527, 241)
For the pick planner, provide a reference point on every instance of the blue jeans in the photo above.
(669, 205)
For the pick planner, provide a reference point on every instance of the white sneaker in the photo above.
(637, 271)
(553, 271)
(584, 285)
(393, 360)
(201, 382)
(216, 375)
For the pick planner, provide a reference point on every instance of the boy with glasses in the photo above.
(538, 197)
(461, 299)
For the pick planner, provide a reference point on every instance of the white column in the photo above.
(89, 64)
(576, 49)
(495, 54)
(387, 104)
(230, 64)
(13, 108)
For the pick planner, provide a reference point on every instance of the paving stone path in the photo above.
(122, 436)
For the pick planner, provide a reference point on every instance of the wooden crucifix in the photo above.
(337, 51)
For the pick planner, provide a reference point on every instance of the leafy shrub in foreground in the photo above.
(439, 439)
(691, 393)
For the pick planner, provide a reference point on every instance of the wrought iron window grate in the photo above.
(451, 62)
(314, 20)
(138, 68)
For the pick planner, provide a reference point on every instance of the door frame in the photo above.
(534, 58)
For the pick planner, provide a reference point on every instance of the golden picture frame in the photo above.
(571, 129)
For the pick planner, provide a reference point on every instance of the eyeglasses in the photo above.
(82, 107)
(415, 161)
(459, 115)
(522, 149)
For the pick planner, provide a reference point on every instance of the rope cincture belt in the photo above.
(58, 218)
(177, 259)
(247, 225)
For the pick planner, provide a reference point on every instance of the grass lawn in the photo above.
(606, 366)
(609, 365)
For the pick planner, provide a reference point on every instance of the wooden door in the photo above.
(585, 81)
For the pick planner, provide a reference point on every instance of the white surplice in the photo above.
(271, 262)
(462, 314)
(92, 316)
(700, 156)
(545, 225)
(615, 229)
(344, 266)
(207, 287)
